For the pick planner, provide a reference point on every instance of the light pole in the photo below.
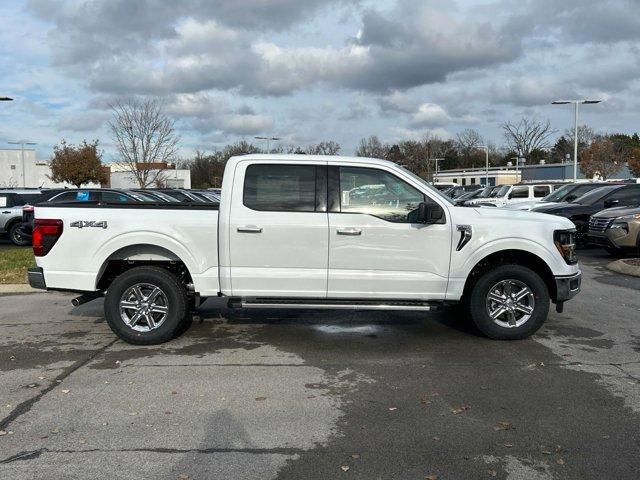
(576, 103)
(22, 143)
(435, 177)
(268, 139)
(486, 164)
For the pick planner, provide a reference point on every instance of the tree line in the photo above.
(145, 138)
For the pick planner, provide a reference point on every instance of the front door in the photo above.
(278, 241)
(376, 250)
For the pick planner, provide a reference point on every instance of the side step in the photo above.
(342, 304)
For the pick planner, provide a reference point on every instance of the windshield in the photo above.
(485, 192)
(594, 195)
(559, 194)
(426, 185)
(500, 192)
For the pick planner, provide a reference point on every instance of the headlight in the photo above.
(565, 242)
(620, 226)
(634, 216)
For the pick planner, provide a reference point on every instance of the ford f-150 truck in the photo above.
(307, 232)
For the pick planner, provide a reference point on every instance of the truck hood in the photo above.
(520, 216)
(617, 212)
(529, 204)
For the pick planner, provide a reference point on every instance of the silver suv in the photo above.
(11, 202)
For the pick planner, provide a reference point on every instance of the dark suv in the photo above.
(592, 202)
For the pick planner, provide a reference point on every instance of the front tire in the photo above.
(509, 302)
(145, 306)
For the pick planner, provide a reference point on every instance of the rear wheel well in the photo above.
(512, 257)
(140, 255)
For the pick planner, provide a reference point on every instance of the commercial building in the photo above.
(20, 168)
(507, 175)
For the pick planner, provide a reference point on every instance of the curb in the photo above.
(619, 266)
(18, 288)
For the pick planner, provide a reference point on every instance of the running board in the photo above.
(332, 304)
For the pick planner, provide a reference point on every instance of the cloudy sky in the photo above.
(311, 70)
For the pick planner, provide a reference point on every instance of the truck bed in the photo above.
(143, 231)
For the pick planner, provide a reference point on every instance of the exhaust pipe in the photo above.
(87, 297)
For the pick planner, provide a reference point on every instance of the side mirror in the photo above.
(430, 213)
(611, 203)
(570, 198)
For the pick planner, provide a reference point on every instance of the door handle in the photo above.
(250, 229)
(6, 212)
(349, 231)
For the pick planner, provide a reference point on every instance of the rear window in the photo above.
(280, 188)
(540, 191)
(519, 192)
(24, 198)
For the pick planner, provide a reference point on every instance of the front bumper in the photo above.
(36, 278)
(568, 287)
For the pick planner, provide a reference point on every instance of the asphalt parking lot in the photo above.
(317, 395)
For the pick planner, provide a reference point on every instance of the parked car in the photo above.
(441, 186)
(291, 236)
(512, 194)
(616, 229)
(457, 191)
(11, 202)
(565, 193)
(156, 195)
(184, 195)
(471, 195)
(94, 195)
(593, 202)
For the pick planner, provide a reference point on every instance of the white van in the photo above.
(510, 194)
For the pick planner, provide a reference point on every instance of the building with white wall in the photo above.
(170, 178)
(20, 168)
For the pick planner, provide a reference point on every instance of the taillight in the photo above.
(45, 235)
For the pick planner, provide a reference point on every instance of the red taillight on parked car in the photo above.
(45, 235)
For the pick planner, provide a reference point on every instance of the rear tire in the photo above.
(145, 306)
(497, 291)
(16, 237)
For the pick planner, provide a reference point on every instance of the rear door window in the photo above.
(519, 192)
(280, 188)
(540, 191)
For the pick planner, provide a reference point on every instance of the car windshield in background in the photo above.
(486, 191)
(500, 192)
(595, 195)
(426, 184)
(558, 194)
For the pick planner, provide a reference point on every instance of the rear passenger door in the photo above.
(278, 229)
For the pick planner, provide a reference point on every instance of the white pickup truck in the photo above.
(307, 232)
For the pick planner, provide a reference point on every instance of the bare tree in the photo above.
(527, 135)
(145, 138)
(372, 147)
(324, 148)
(468, 142)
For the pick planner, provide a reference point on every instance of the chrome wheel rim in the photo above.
(510, 303)
(144, 307)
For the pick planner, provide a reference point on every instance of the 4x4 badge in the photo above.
(85, 223)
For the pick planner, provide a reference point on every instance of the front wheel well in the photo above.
(512, 257)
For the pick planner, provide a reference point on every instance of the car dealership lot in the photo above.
(291, 394)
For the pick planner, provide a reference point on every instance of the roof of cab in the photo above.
(312, 158)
